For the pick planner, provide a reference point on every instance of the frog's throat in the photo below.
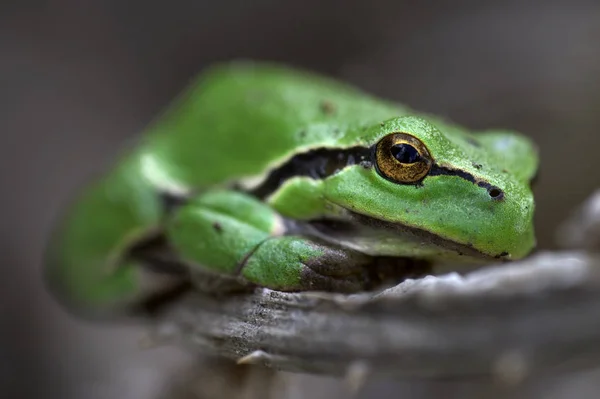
(323, 162)
(353, 220)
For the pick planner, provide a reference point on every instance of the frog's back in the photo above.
(240, 119)
(234, 122)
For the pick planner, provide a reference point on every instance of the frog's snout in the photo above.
(495, 193)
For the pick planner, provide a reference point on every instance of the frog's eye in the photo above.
(402, 158)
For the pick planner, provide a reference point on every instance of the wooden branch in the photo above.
(506, 321)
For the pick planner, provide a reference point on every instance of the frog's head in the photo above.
(444, 188)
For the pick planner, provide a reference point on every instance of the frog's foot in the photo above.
(296, 263)
(236, 235)
(122, 289)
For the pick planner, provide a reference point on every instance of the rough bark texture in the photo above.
(525, 317)
(504, 321)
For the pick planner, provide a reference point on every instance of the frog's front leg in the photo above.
(236, 234)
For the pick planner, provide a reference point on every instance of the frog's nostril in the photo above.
(495, 193)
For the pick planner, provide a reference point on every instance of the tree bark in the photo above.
(505, 321)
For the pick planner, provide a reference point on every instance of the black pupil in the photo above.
(405, 153)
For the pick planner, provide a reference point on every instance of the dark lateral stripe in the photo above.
(495, 192)
(324, 162)
(317, 164)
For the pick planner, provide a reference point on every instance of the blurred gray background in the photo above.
(80, 79)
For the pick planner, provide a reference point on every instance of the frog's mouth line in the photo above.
(321, 163)
(356, 223)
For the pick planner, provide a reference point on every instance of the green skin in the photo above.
(241, 121)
